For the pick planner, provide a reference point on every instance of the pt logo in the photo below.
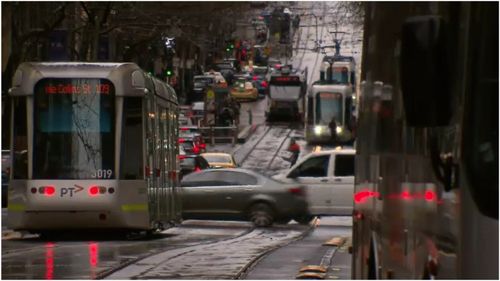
(69, 191)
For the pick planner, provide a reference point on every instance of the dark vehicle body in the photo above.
(191, 163)
(200, 85)
(227, 70)
(6, 166)
(239, 194)
(426, 177)
(190, 146)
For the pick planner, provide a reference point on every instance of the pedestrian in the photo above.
(333, 129)
(294, 148)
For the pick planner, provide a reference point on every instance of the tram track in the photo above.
(104, 274)
(259, 156)
(240, 252)
(41, 247)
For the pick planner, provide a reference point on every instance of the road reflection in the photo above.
(49, 260)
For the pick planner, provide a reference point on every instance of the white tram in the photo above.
(94, 146)
(325, 102)
(286, 95)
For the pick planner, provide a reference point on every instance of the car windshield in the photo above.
(218, 158)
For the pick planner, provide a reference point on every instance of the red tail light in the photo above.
(430, 195)
(197, 169)
(263, 84)
(296, 191)
(180, 157)
(203, 145)
(181, 140)
(49, 190)
(255, 78)
(184, 129)
(93, 190)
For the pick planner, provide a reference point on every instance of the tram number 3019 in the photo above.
(102, 174)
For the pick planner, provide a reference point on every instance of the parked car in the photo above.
(218, 160)
(329, 180)
(244, 90)
(239, 194)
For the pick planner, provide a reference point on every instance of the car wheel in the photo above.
(261, 215)
(304, 219)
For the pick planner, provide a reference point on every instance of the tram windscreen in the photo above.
(285, 87)
(339, 75)
(328, 106)
(74, 129)
(284, 93)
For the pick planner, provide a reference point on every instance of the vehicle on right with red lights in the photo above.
(426, 177)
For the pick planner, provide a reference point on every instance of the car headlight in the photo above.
(339, 129)
(318, 130)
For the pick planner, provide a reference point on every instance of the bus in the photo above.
(326, 101)
(426, 177)
(286, 95)
(94, 147)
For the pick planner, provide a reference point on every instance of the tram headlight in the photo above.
(339, 130)
(319, 130)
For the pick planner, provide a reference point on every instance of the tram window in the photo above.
(20, 161)
(344, 165)
(313, 167)
(131, 147)
(74, 129)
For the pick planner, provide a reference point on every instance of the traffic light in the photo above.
(229, 46)
(169, 72)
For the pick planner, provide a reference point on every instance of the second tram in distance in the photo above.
(286, 95)
(326, 102)
(94, 146)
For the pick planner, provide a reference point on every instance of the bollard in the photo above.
(212, 135)
(235, 135)
(249, 117)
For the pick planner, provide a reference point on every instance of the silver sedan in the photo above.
(239, 194)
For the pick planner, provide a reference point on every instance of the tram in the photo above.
(338, 69)
(426, 177)
(286, 95)
(326, 101)
(94, 147)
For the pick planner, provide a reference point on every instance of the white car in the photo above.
(329, 180)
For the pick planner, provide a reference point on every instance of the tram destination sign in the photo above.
(285, 80)
(69, 88)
